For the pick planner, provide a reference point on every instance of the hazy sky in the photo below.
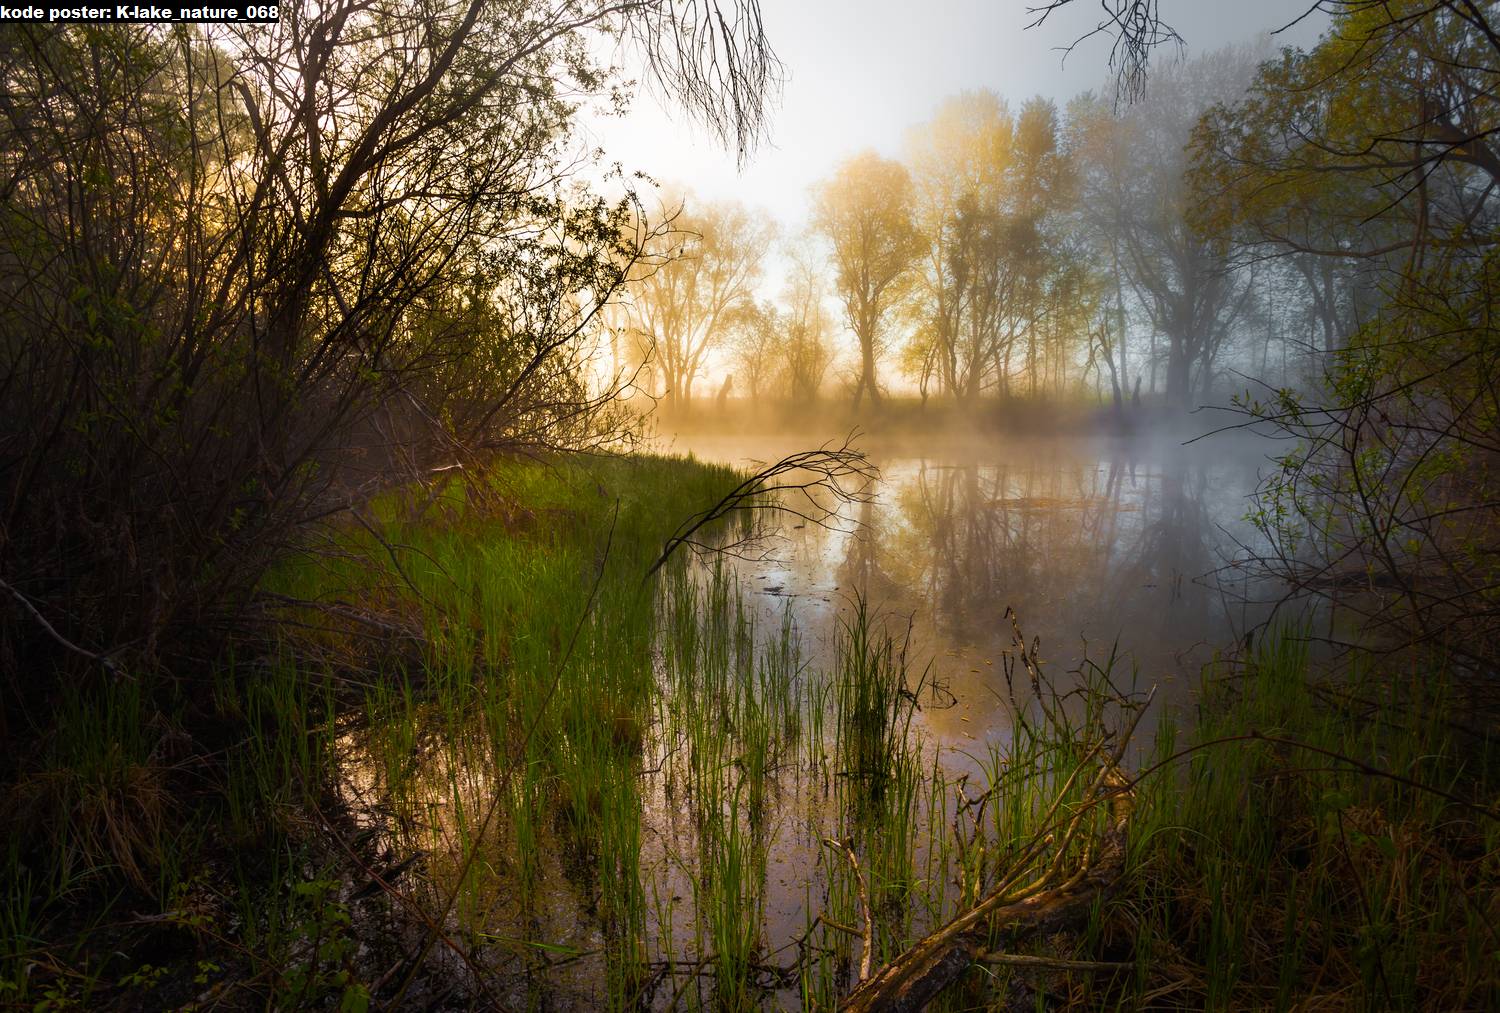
(860, 72)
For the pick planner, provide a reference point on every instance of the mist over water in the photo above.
(1099, 544)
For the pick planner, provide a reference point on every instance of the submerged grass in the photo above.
(486, 740)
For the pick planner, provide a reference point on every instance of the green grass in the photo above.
(584, 788)
(1272, 873)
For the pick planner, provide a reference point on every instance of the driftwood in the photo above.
(1057, 901)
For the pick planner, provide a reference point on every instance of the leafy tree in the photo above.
(1383, 134)
(865, 212)
(994, 206)
(1050, 278)
(755, 337)
(959, 159)
(806, 328)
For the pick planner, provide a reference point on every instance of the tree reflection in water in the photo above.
(1093, 544)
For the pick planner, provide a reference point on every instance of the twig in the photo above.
(390, 549)
(868, 954)
(827, 469)
(1051, 963)
(103, 659)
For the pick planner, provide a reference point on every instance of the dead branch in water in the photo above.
(1059, 898)
(793, 486)
(868, 935)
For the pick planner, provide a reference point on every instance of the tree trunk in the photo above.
(867, 372)
(1179, 371)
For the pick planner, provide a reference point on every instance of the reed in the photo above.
(585, 788)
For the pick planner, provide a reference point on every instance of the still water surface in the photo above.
(1097, 544)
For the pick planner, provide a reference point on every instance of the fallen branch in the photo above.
(1059, 899)
(1056, 903)
(868, 936)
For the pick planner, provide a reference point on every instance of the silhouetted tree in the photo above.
(686, 302)
(251, 274)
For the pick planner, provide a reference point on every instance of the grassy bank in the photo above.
(1318, 842)
(188, 836)
(487, 766)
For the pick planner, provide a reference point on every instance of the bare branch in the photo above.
(1138, 31)
(842, 473)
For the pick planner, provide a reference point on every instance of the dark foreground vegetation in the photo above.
(483, 765)
(335, 674)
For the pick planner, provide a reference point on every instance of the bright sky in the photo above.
(860, 72)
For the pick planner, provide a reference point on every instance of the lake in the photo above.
(1098, 545)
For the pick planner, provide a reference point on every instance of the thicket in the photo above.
(1370, 162)
(251, 275)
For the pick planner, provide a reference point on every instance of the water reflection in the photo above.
(692, 804)
(1095, 544)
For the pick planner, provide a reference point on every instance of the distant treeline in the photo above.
(1304, 239)
(1009, 253)
(249, 275)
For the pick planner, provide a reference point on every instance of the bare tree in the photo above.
(1138, 205)
(685, 305)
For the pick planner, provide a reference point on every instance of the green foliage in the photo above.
(1270, 860)
(1367, 163)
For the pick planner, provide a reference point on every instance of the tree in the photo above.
(959, 160)
(805, 327)
(1139, 205)
(865, 212)
(686, 301)
(1384, 134)
(251, 274)
(1049, 282)
(755, 337)
(993, 207)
